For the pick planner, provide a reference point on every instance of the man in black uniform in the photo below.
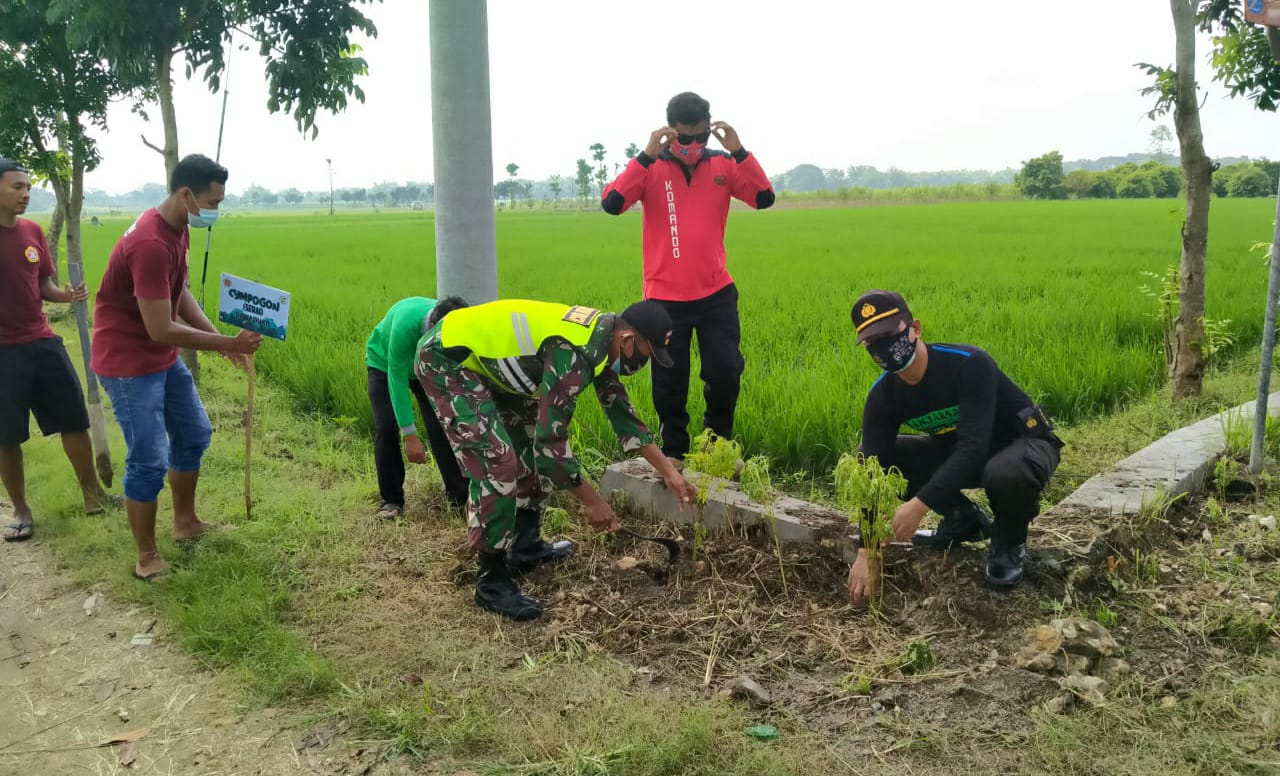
(974, 428)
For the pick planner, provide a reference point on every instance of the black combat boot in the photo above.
(965, 522)
(496, 591)
(1004, 563)
(528, 550)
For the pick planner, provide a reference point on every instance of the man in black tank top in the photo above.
(972, 427)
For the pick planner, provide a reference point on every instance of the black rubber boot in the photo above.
(528, 550)
(497, 592)
(1004, 563)
(964, 523)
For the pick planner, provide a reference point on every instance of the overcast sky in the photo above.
(933, 84)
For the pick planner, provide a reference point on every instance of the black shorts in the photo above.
(38, 378)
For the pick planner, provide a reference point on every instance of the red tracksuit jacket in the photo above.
(684, 217)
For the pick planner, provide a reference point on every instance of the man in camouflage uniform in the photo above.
(504, 378)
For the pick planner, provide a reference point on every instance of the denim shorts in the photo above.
(164, 424)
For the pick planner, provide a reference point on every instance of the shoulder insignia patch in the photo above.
(583, 316)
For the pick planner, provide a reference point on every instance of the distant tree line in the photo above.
(1044, 178)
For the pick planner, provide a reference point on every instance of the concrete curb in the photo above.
(1174, 464)
(788, 519)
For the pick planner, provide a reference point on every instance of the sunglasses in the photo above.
(687, 139)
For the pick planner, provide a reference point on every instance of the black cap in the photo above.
(652, 321)
(9, 165)
(878, 312)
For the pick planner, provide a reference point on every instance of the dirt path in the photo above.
(71, 680)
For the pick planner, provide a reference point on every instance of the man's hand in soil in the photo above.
(658, 141)
(861, 583)
(727, 135)
(601, 517)
(906, 519)
(413, 449)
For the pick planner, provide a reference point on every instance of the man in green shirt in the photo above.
(505, 379)
(389, 356)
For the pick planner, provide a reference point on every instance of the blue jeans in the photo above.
(164, 424)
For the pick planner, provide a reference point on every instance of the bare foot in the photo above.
(191, 529)
(149, 566)
(100, 502)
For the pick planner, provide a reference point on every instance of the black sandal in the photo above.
(20, 532)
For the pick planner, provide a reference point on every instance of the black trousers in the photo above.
(387, 456)
(1013, 478)
(715, 322)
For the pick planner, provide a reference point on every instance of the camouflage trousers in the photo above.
(491, 433)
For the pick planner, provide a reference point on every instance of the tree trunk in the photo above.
(164, 92)
(75, 274)
(168, 116)
(1186, 373)
(55, 227)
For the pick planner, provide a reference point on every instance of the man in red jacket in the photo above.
(685, 188)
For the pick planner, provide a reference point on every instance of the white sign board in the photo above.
(254, 306)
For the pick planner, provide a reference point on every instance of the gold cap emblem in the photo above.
(868, 310)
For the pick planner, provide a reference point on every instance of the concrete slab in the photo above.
(1176, 463)
(643, 492)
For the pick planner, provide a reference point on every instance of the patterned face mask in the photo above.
(893, 354)
(629, 365)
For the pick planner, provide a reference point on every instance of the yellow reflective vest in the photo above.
(502, 334)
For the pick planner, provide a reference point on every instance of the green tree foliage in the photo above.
(1080, 183)
(1135, 185)
(1245, 57)
(584, 181)
(602, 171)
(1251, 182)
(311, 62)
(1042, 177)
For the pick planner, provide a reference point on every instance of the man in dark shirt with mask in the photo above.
(974, 428)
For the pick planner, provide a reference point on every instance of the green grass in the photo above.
(1051, 289)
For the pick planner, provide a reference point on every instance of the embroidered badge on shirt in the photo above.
(721, 180)
(32, 254)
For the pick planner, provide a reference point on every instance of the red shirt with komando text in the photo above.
(149, 262)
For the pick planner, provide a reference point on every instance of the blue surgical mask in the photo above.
(204, 220)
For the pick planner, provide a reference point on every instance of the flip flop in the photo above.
(152, 575)
(22, 532)
(110, 502)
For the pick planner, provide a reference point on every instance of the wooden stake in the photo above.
(248, 443)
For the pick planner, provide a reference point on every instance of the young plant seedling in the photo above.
(757, 483)
(715, 459)
(868, 494)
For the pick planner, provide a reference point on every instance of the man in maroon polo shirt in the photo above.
(685, 190)
(144, 313)
(36, 376)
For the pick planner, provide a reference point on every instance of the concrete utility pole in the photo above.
(330, 163)
(461, 130)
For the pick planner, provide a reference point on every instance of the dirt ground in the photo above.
(73, 678)
(936, 671)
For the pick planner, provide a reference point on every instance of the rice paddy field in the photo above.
(1052, 289)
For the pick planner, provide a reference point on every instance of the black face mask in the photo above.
(629, 365)
(893, 354)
